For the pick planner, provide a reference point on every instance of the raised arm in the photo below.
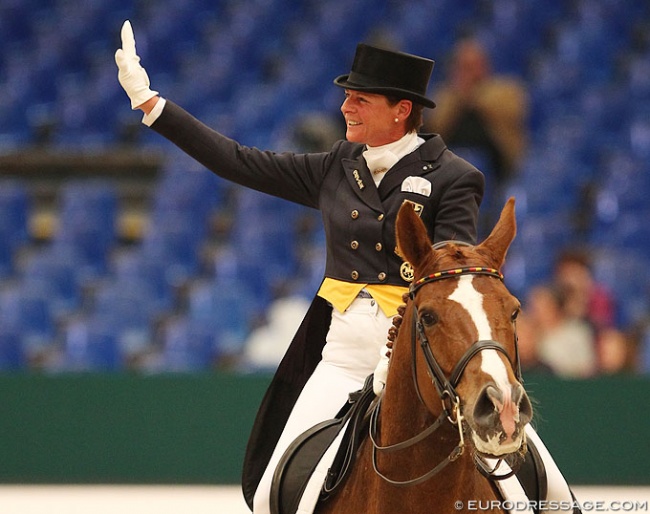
(132, 75)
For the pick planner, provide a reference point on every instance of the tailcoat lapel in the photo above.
(361, 182)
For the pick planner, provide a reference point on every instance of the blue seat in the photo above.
(55, 270)
(628, 231)
(131, 308)
(623, 271)
(134, 266)
(15, 206)
(186, 188)
(638, 79)
(87, 221)
(264, 231)
(175, 244)
(14, 126)
(14, 214)
(89, 242)
(7, 263)
(539, 240)
(28, 310)
(91, 344)
(223, 307)
(12, 352)
(93, 200)
(604, 109)
(188, 346)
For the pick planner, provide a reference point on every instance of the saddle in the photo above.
(301, 458)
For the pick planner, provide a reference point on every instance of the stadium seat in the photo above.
(188, 346)
(12, 352)
(131, 308)
(91, 344)
(225, 308)
(87, 222)
(134, 266)
(250, 69)
(56, 271)
(27, 309)
(14, 230)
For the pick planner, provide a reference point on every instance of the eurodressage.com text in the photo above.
(550, 505)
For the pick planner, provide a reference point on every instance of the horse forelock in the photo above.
(451, 255)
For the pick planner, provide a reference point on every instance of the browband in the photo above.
(448, 273)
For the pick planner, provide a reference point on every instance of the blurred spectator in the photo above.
(642, 363)
(480, 110)
(528, 348)
(586, 298)
(564, 343)
(591, 301)
(266, 345)
(316, 132)
(615, 353)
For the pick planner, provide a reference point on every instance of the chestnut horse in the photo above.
(453, 397)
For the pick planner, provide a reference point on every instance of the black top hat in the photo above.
(386, 72)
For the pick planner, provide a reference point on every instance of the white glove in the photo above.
(381, 372)
(132, 76)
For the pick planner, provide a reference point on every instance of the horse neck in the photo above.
(403, 415)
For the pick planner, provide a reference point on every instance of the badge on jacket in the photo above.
(360, 183)
(406, 271)
(417, 207)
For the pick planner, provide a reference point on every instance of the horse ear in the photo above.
(495, 247)
(413, 243)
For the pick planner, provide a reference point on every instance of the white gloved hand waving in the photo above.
(132, 76)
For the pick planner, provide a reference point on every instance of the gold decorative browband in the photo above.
(448, 273)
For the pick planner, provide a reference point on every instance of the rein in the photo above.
(446, 387)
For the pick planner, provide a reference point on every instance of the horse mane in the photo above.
(393, 331)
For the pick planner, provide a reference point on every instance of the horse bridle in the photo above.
(446, 387)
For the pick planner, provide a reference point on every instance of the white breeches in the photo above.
(351, 353)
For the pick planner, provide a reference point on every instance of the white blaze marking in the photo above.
(472, 301)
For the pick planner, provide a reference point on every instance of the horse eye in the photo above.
(429, 318)
(515, 314)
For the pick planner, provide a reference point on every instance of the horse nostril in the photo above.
(487, 406)
(495, 395)
(520, 398)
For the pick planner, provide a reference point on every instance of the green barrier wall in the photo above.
(192, 429)
(125, 429)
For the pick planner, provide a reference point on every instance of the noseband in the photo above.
(446, 387)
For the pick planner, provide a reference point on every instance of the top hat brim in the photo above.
(342, 81)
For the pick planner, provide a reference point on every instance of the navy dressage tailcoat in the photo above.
(359, 221)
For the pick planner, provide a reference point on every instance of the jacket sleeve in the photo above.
(458, 210)
(294, 177)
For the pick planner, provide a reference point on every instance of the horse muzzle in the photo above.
(498, 418)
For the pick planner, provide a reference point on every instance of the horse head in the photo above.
(464, 334)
